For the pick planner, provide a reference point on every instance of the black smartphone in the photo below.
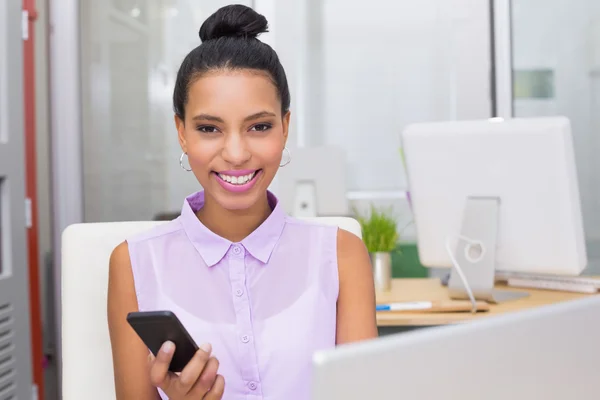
(156, 327)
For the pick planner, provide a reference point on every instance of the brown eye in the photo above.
(261, 127)
(207, 129)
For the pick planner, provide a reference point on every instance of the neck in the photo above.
(233, 225)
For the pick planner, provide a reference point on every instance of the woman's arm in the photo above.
(130, 355)
(356, 300)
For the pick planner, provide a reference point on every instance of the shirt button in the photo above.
(236, 249)
(239, 292)
(252, 385)
(245, 338)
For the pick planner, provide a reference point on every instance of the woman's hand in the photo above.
(197, 381)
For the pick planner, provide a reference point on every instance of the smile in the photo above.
(238, 181)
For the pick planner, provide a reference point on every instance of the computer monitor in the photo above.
(495, 195)
(548, 353)
(313, 184)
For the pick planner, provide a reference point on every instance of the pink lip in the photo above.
(238, 188)
(237, 172)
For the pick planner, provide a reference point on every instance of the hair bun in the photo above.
(233, 21)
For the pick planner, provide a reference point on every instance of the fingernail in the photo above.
(168, 347)
(206, 347)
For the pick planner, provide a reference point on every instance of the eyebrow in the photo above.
(258, 115)
(208, 117)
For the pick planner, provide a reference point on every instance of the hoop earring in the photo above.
(289, 157)
(181, 163)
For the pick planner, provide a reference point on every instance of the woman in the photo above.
(260, 290)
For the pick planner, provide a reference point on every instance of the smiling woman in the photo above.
(233, 120)
(259, 290)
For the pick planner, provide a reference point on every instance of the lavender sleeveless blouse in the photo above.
(265, 304)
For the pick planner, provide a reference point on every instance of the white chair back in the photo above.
(87, 370)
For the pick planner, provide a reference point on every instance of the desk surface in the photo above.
(430, 289)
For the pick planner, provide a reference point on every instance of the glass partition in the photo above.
(131, 50)
(556, 68)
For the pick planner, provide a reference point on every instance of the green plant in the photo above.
(379, 230)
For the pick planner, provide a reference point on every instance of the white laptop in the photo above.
(546, 353)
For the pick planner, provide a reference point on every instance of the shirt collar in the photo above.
(212, 247)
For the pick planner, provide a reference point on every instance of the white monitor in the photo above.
(313, 184)
(526, 166)
(548, 353)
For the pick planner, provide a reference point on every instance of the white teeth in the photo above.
(237, 180)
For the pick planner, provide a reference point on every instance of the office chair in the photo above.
(87, 370)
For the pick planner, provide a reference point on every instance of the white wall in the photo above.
(564, 36)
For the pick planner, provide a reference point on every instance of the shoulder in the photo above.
(119, 269)
(121, 264)
(156, 230)
(347, 244)
(120, 254)
(131, 257)
(310, 229)
(351, 251)
(313, 225)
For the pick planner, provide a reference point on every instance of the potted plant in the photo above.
(380, 235)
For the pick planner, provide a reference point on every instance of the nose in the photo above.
(235, 150)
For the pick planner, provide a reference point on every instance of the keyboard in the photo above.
(577, 284)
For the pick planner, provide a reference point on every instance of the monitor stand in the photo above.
(305, 200)
(475, 254)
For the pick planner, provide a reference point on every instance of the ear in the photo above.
(181, 133)
(286, 125)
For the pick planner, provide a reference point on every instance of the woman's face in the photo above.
(234, 135)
